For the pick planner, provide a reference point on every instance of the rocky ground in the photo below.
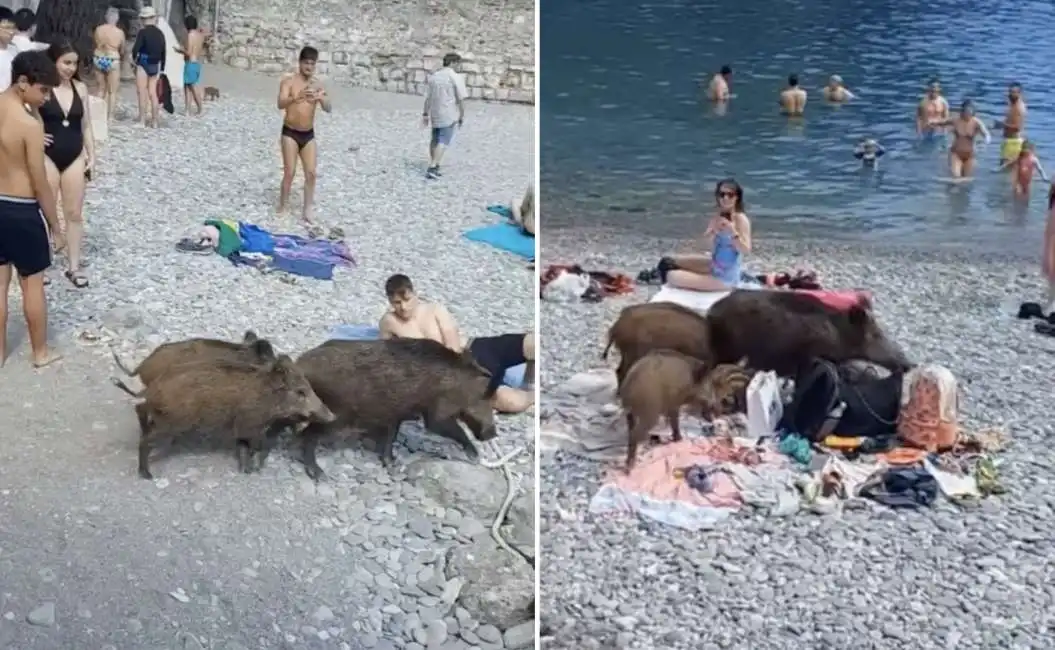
(203, 557)
(973, 577)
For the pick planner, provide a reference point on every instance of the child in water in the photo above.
(868, 151)
(1022, 169)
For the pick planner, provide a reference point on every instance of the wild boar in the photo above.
(251, 350)
(723, 390)
(247, 401)
(377, 385)
(784, 330)
(656, 326)
(660, 384)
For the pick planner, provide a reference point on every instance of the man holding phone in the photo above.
(299, 96)
(444, 109)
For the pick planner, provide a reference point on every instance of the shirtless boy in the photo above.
(835, 92)
(933, 110)
(1022, 168)
(192, 52)
(1013, 124)
(109, 50)
(298, 97)
(793, 98)
(718, 90)
(26, 200)
(409, 317)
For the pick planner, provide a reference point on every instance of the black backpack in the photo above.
(840, 400)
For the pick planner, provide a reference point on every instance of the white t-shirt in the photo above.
(23, 43)
(7, 55)
(445, 90)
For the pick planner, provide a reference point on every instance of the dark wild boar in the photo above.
(247, 401)
(656, 326)
(658, 385)
(723, 390)
(784, 330)
(250, 350)
(377, 385)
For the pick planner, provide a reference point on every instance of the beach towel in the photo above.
(702, 301)
(513, 378)
(505, 236)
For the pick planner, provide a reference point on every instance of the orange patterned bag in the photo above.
(930, 404)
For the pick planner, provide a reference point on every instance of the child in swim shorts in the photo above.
(868, 151)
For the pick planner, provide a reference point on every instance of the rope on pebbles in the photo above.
(511, 491)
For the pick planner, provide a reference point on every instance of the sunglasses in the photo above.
(725, 194)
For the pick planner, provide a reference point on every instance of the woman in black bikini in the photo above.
(70, 151)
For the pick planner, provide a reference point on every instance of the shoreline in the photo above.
(946, 307)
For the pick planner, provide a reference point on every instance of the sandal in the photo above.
(1044, 327)
(77, 279)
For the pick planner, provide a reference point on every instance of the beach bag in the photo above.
(930, 405)
(829, 400)
(764, 405)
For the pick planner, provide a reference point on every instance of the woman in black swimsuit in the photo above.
(70, 151)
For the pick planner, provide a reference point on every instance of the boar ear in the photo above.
(444, 409)
(283, 365)
(858, 315)
(250, 337)
(263, 350)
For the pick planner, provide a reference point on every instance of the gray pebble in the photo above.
(42, 616)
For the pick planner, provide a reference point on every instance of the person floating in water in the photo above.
(1022, 169)
(836, 92)
(868, 151)
(933, 110)
(299, 96)
(728, 236)
(718, 89)
(1013, 124)
(965, 128)
(793, 98)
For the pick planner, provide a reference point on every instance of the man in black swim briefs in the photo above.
(299, 95)
(27, 203)
(409, 317)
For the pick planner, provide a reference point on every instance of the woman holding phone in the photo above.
(728, 237)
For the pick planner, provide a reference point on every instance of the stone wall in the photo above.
(389, 45)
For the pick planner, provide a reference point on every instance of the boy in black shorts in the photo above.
(27, 204)
(409, 317)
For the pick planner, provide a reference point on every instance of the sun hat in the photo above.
(148, 12)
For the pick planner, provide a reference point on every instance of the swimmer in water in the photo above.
(868, 151)
(965, 128)
(718, 89)
(933, 108)
(835, 92)
(1022, 169)
(793, 98)
(1013, 124)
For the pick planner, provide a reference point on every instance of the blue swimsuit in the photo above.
(725, 259)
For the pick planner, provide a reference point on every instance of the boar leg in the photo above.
(674, 420)
(245, 459)
(309, 442)
(387, 440)
(142, 415)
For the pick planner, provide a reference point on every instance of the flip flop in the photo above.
(190, 245)
(1044, 328)
(77, 279)
(1029, 310)
(50, 359)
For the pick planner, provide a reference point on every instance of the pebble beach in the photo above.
(972, 576)
(203, 557)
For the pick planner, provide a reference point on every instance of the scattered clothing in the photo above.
(903, 488)
(595, 285)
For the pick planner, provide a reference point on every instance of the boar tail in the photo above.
(604, 355)
(121, 364)
(123, 386)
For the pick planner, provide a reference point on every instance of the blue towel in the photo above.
(514, 376)
(506, 237)
(502, 211)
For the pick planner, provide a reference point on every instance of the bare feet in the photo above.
(282, 210)
(308, 214)
(49, 357)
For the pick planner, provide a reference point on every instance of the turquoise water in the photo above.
(627, 141)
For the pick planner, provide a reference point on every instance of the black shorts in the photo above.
(23, 236)
(497, 354)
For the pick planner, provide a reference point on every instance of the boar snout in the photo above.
(318, 411)
(487, 433)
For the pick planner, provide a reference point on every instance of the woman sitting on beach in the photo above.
(524, 211)
(728, 236)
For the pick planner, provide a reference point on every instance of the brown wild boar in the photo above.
(656, 326)
(723, 390)
(784, 331)
(658, 385)
(251, 350)
(249, 402)
(377, 385)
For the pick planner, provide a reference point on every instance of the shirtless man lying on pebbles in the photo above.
(411, 318)
(27, 204)
(299, 95)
